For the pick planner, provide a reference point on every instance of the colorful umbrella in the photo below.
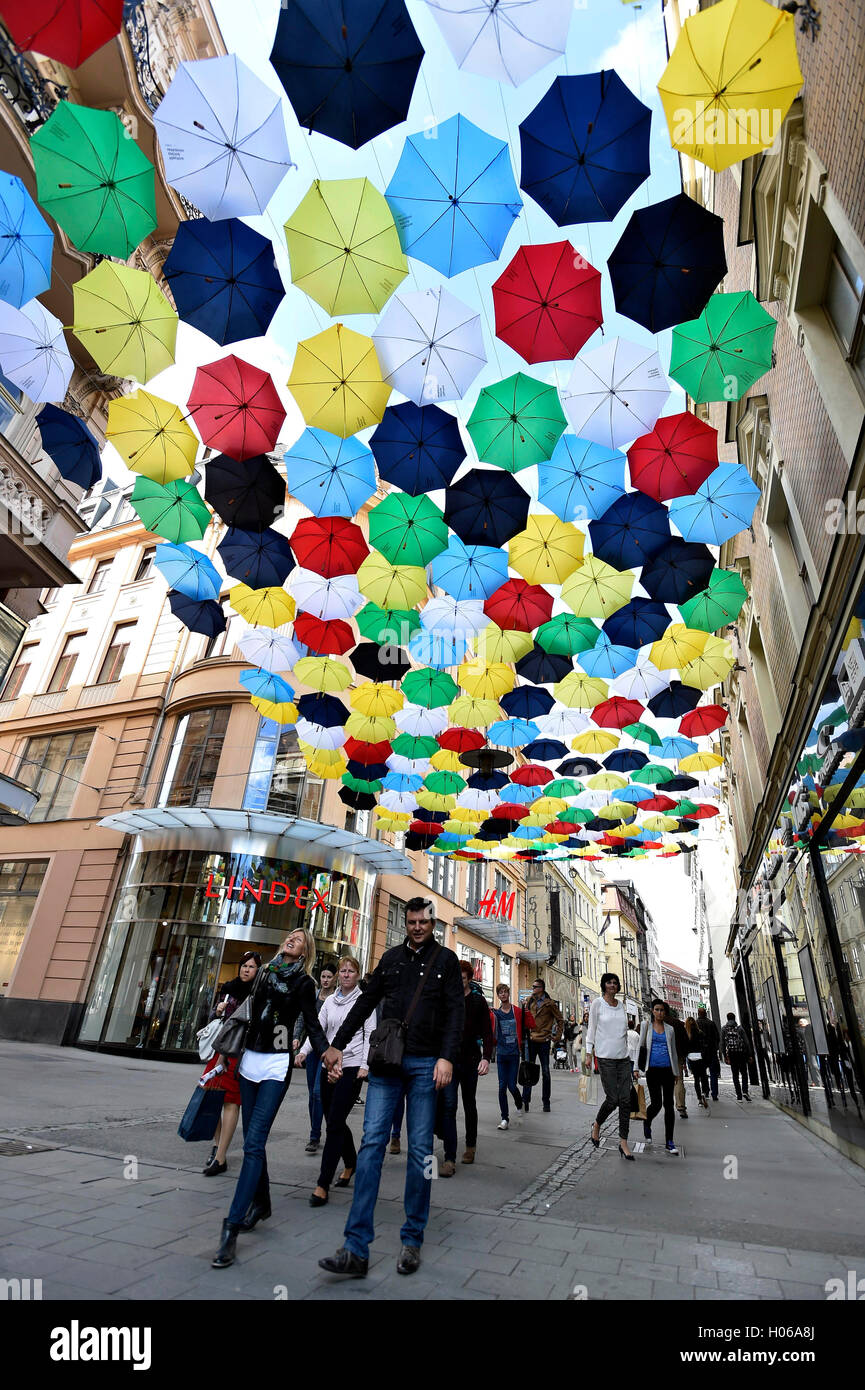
(705, 719)
(699, 762)
(267, 686)
(679, 645)
(268, 607)
(175, 510)
(33, 351)
(329, 475)
(469, 571)
(417, 448)
(236, 408)
(376, 699)
(631, 532)
(615, 392)
(26, 243)
(676, 747)
(640, 621)
(188, 571)
(430, 346)
(600, 741)
(391, 586)
(198, 615)
(484, 508)
(323, 673)
(261, 559)
(727, 348)
(718, 604)
(675, 457)
(681, 570)
(438, 649)
(249, 495)
(71, 447)
(336, 381)
(473, 711)
(566, 635)
(329, 545)
(724, 504)
(389, 627)
(151, 436)
(596, 589)
(344, 248)
(516, 422)
(608, 659)
(280, 712)
(124, 320)
(512, 733)
(507, 40)
(432, 689)
(223, 279)
(69, 32)
(581, 479)
(517, 604)
(667, 262)
(486, 680)
(325, 636)
(643, 733)
(325, 598)
(547, 551)
(710, 667)
(547, 302)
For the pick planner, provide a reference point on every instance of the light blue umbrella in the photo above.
(453, 197)
(632, 794)
(331, 476)
(26, 244)
(512, 733)
(437, 649)
(676, 746)
(723, 505)
(267, 686)
(469, 571)
(528, 832)
(582, 479)
(520, 795)
(402, 782)
(188, 571)
(607, 660)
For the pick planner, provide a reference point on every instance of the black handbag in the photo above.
(201, 1115)
(529, 1073)
(387, 1040)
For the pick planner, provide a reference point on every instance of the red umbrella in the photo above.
(519, 605)
(365, 753)
(532, 775)
(658, 803)
(432, 829)
(510, 810)
(616, 712)
(69, 31)
(675, 458)
(705, 719)
(458, 740)
(326, 637)
(704, 810)
(547, 302)
(329, 545)
(236, 408)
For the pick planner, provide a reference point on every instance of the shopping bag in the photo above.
(201, 1115)
(205, 1038)
(587, 1090)
(638, 1102)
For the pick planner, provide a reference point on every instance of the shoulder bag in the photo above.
(205, 1036)
(530, 1072)
(231, 1038)
(387, 1040)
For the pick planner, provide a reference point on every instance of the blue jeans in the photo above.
(509, 1070)
(313, 1074)
(396, 1127)
(259, 1103)
(383, 1094)
(540, 1052)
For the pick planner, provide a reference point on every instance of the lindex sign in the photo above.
(269, 890)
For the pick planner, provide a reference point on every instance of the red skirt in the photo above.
(226, 1081)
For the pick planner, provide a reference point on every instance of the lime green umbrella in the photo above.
(414, 747)
(651, 774)
(716, 605)
(516, 422)
(725, 350)
(432, 689)
(564, 786)
(643, 733)
(94, 180)
(407, 530)
(565, 635)
(358, 784)
(344, 247)
(175, 510)
(387, 625)
(445, 783)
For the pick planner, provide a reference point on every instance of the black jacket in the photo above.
(477, 1028)
(711, 1038)
(274, 1012)
(435, 1028)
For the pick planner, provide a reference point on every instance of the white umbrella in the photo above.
(33, 351)
(222, 136)
(320, 737)
(448, 616)
(324, 598)
(615, 393)
(473, 799)
(505, 39)
(641, 682)
(409, 766)
(270, 649)
(430, 346)
(398, 801)
(421, 722)
(562, 724)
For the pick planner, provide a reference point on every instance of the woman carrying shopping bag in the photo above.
(221, 1072)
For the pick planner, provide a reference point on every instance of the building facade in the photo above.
(562, 932)
(620, 933)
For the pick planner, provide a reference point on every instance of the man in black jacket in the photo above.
(712, 1043)
(432, 1045)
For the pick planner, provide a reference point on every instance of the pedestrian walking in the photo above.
(472, 1061)
(682, 1050)
(607, 1041)
(569, 1037)
(420, 990)
(511, 1023)
(736, 1050)
(220, 1074)
(633, 1040)
(698, 1062)
(326, 987)
(547, 1026)
(284, 989)
(338, 1098)
(711, 1047)
(658, 1058)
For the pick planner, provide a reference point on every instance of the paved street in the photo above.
(755, 1208)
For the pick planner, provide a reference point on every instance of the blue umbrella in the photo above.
(723, 505)
(224, 279)
(454, 198)
(681, 783)
(329, 475)
(529, 832)
(585, 148)
(486, 507)
(616, 762)
(519, 794)
(578, 767)
(437, 649)
(188, 571)
(26, 244)
(607, 659)
(637, 622)
(676, 700)
(679, 572)
(469, 571)
(675, 747)
(402, 782)
(668, 262)
(544, 750)
(417, 448)
(487, 781)
(582, 479)
(512, 733)
(261, 559)
(544, 668)
(631, 532)
(526, 702)
(267, 685)
(368, 772)
(325, 710)
(198, 615)
(72, 448)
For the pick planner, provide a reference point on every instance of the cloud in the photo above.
(639, 55)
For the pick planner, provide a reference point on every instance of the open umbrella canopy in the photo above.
(272, 650)
(729, 344)
(224, 279)
(329, 475)
(198, 615)
(387, 627)
(124, 321)
(486, 680)
(151, 436)
(267, 686)
(337, 382)
(261, 559)
(643, 680)
(543, 668)
(705, 719)
(507, 40)
(348, 72)
(667, 262)
(407, 530)
(718, 604)
(608, 659)
(188, 571)
(547, 302)
(432, 689)
(450, 615)
(323, 673)
(518, 604)
(391, 586)
(640, 621)
(329, 545)
(175, 510)
(94, 180)
(324, 636)
(678, 645)
(526, 702)
(439, 649)
(268, 607)
(248, 495)
(71, 447)
(344, 248)
(430, 346)
(512, 733)
(615, 393)
(675, 457)
(325, 598)
(566, 635)
(674, 747)
(26, 244)
(236, 408)
(454, 198)
(631, 532)
(69, 32)
(33, 351)
(222, 135)
(516, 422)
(643, 733)
(585, 148)
(377, 699)
(469, 571)
(581, 479)
(679, 572)
(485, 508)
(417, 448)
(547, 551)
(724, 504)
(596, 589)
(579, 691)
(710, 666)
(675, 701)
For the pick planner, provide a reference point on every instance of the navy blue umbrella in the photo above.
(526, 702)
(487, 781)
(348, 66)
(370, 772)
(325, 710)
(625, 760)
(544, 668)
(199, 615)
(544, 750)
(636, 623)
(585, 148)
(578, 767)
(417, 448)
(261, 559)
(667, 262)
(70, 445)
(431, 817)
(486, 507)
(631, 532)
(676, 700)
(224, 279)
(680, 571)
(679, 783)
(358, 801)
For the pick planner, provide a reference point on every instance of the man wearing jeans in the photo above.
(432, 1044)
(548, 1024)
(736, 1048)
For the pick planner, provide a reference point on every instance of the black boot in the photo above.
(225, 1254)
(258, 1211)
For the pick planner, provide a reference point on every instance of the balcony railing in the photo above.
(31, 96)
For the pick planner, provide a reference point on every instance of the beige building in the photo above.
(619, 937)
(562, 921)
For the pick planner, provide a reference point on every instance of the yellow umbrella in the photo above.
(124, 321)
(434, 801)
(370, 728)
(854, 630)
(700, 762)
(326, 756)
(337, 383)
(281, 712)
(262, 607)
(579, 691)
(622, 829)
(322, 673)
(547, 551)
(375, 698)
(486, 681)
(730, 81)
(344, 247)
(616, 810)
(466, 815)
(597, 741)
(606, 781)
(470, 712)
(390, 824)
(658, 822)
(548, 806)
(503, 644)
(596, 590)
(391, 586)
(677, 646)
(327, 771)
(447, 761)
(711, 666)
(151, 436)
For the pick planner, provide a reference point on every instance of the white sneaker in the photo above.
(738, 1100)
(504, 1125)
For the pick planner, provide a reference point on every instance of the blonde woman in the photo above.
(284, 989)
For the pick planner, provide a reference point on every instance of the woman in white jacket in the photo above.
(338, 1097)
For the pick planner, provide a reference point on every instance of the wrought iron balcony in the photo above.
(30, 95)
(135, 24)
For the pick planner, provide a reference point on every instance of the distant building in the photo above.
(681, 989)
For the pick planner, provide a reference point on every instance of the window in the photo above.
(194, 758)
(99, 578)
(112, 663)
(441, 874)
(278, 779)
(145, 565)
(20, 881)
(844, 303)
(218, 644)
(51, 596)
(66, 662)
(52, 766)
(357, 822)
(476, 885)
(19, 672)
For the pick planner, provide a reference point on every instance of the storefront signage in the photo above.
(266, 890)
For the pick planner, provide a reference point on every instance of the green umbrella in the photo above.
(576, 814)
(445, 783)
(725, 350)
(652, 773)
(716, 605)
(173, 510)
(516, 422)
(564, 786)
(565, 635)
(94, 180)
(387, 625)
(643, 733)
(414, 748)
(432, 689)
(684, 807)
(357, 784)
(407, 530)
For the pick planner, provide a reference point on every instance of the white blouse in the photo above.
(607, 1034)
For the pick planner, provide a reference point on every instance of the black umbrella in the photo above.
(487, 781)
(680, 783)
(380, 663)
(578, 767)
(199, 615)
(674, 701)
(486, 759)
(544, 750)
(261, 559)
(494, 829)
(667, 262)
(544, 668)
(486, 507)
(358, 801)
(678, 572)
(367, 772)
(325, 710)
(247, 495)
